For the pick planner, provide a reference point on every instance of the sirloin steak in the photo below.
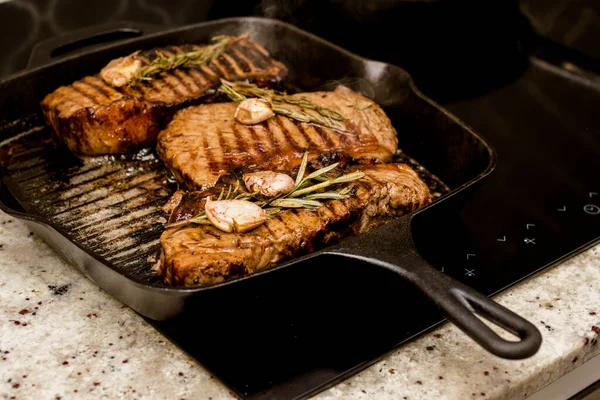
(204, 142)
(204, 255)
(92, 117)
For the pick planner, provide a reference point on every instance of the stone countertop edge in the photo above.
(62, 337)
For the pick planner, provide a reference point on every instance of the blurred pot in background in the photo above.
(444, 44)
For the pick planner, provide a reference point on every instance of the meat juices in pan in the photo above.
(92, 117)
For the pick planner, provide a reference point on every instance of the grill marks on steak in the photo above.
(202, 254)
(204, 142)
(92, 117)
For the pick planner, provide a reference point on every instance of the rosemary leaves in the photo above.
(305, 194)
(363, 105)
(240, 91)
(200, 56)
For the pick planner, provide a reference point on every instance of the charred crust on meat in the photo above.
(92, 118)
(278, 144)
(202, 255)
(323, 160)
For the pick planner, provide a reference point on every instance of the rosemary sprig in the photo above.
(319, 173)
(301, 169)
(302, 116)
(305, 103)
(273, 210)
(327, 196)
(238, 91)
(201, 219)
(344, 178)
(299, 197)
(347, 190)
(363, 105)
(295, 203)
(200, 56)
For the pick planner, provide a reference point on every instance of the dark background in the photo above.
(443, 43)
(500, 66)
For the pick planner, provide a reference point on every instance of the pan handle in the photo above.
(72, 42)
(457, 301)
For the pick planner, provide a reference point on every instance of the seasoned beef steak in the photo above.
(204, 142)
(92, 117)
(202, 254)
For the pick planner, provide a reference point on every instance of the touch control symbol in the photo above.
(591, 209)
(530, 226)
(470, 255)
(503, 239)
(529, 241)
(470, 272)
(592, 194)
(563, 208)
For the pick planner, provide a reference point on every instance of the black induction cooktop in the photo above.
(536, 100)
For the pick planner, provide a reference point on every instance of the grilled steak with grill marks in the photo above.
(92, 117)
(204, 142)
(203, 254)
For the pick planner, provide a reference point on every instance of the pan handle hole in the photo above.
(500, 331)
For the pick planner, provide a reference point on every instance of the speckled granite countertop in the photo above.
(63, 337)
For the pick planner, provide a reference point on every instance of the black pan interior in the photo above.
(108, 204)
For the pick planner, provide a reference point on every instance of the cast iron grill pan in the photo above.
(101, 213)
(108, 204)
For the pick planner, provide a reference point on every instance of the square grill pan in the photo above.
(101, 213)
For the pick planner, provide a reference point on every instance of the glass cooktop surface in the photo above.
(299, 331)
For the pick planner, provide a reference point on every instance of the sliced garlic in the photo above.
(253, 111)
(234, 215)
(268, 183)
(120, 72)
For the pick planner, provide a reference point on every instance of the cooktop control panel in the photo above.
(512, 248)
(542, 203)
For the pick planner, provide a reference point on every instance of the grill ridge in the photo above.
(109, 204)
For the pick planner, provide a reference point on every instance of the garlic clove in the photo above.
(253, 111)
(268, 183)
(120, 72)
(234, 215)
